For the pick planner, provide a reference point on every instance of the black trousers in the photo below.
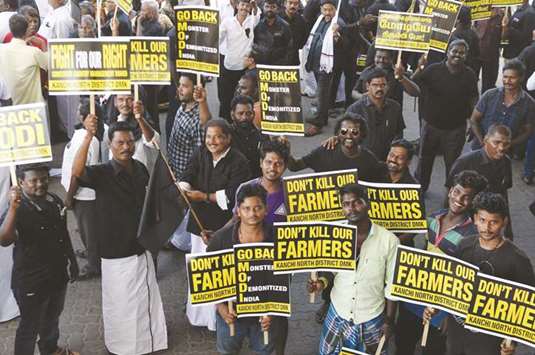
(489, 72)
(434, 140)
(86, 218)
(323, 94)
(461, 341)
(409, 330)
(229, 81)
(151, 100)
(39, 315)
(350, 79)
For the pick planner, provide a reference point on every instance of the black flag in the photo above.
(163, 209)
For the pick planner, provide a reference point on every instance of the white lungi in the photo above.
(200, 316)
(134, 321)
(8, 305)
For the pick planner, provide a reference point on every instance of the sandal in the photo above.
(65, 351)
(527, 180)
(312, 131)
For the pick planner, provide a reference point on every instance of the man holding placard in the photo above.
(496, 256)
(359, 314)
(251, 209)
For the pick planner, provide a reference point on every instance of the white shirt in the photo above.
(239, 40)
(360, 295)
(83, 193)
(19, 67)
(4, 24)
(58, 24)
(226, 10)
(4, 92)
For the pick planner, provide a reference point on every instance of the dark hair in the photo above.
(18, 25)
(120, 126)
(499, 128)
(221, 123)
(403, 143)
(387, 51)
(12, 4)
(241, 100)
(471, 179)
(356, 119)
(191, 77)
(465, 17)
(22, 169)
(273, 2)
(374, 74)
(490, 202)
(516, 65)
(251, 190)
(354, 189)
(87, 7)
(458, 42)
(28, 10)
(277, 147)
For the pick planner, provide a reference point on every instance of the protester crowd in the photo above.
(231, 173)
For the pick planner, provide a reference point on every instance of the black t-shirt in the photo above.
(39, 256)
(322, 159)
(447, 97)
(507, 262)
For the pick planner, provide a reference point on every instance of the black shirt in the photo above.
(395, 89)
(507, 262)
(498, 172)
(447, 97)
(521, 26)
(406, 178)
(227, 175)
(383, 126)
(527, 56)
(119, 199)
(322, 159)
(274, 42)
(298, 28)
(247, 141)
(42, 245)
(227, 237)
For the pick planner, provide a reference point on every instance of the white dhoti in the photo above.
(200, 316)
(134, 322)
(8, 305)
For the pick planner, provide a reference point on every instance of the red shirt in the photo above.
(9, 37)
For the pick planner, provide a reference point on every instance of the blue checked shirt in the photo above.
(186, 136)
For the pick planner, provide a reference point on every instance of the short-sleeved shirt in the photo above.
(39, 256)
(119, 199)
(322, 159)
(383, 126)
(446, 241)
(186, 136)
(447, 96)
(492, 107)
(276, 212)
(498, 172)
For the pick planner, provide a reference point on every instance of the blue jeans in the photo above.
(244, 328)
(529, 160)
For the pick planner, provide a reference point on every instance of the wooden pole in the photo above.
(115, 12)
(266, 337)
(398, 62)
(136, 92)
(312, 295)
(92, 104)
(231, 325)
(425, 334)
(380, 346)
(508, 342)
(99, 9)
(198, 78)
(13, 173)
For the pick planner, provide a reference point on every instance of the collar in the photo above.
(195, 106)
(438, 215)
(117, 168)
(235, 232)
(369, 102)
(221, 157)
(522, 95)
(484, 157)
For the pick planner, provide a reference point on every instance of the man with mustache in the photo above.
(298, 28)
(449, 92)
(446, 229)
(397, 162)
(273, 37)
(383, 115)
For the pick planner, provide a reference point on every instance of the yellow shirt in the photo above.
(19, 67)
(360, 295)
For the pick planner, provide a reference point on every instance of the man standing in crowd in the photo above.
(134, 322)
(489, 32)
(397, 162)
(517, 30)
(324, 45)
(449, 92)
(397, 81)
(383, 115)
(246, 138)
(23, 79)
(495, 255)
(191, 116)
(446, 228)
(360, 325)
(298, 29)
(210, 181)
(36, 222)
(237, 33)
(249, 228)
(510, 105)
(348, 153)
(273, 37)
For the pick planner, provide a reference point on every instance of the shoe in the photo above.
(528, 180)
(86, 274)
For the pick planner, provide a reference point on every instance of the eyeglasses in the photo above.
(354, 131)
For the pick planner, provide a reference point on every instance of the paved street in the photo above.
(81, 323)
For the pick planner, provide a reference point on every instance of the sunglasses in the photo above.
(354, 131)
